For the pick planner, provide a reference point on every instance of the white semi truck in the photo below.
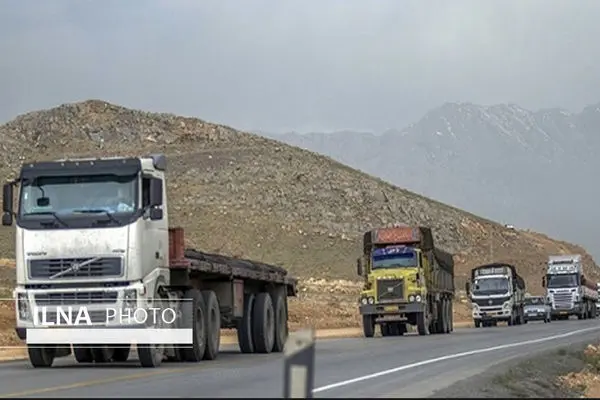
(94, 233)
(497, 293)
(570, 292)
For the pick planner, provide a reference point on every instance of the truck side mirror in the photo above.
(156, 192)
(7, 198)
(543, 281)
(359, 267)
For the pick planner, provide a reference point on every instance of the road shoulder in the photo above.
(536, 377)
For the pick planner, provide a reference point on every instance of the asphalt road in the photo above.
(409, 366)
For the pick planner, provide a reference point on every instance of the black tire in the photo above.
(102, 354)
(213, 325)
(368, 325)
(244, 326)
(477, 323)
(281, 321)
(121, 353)
(263, 323)
(445, 321)
(41, 357)
(193, 313)
(150, 354)
(399, 328)
(422, 326)
(82, 354)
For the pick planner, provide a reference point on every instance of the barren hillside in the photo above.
(245, 195)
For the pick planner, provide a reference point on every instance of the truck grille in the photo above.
(490, 302)
(96, 317)
(102, 267)
(75, 298)
(562, 300)
(389, 290)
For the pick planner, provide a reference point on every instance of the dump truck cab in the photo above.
(407, 281)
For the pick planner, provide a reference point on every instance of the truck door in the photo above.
(155, 232)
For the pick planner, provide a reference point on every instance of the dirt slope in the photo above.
(246, 195)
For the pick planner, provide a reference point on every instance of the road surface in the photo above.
(409, 366)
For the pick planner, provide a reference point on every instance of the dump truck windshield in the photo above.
(394, 257)
(78, 194)
(488, 286)
(562, 280)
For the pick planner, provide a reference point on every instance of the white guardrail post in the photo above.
(299, 365)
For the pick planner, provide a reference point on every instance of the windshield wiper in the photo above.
(49, 213)
(97, 211)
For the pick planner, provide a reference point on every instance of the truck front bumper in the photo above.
(391, 308)
(491, 315)
(107, 307)
(576, 309)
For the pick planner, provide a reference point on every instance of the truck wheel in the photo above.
(477, 323)
(41, 357)
(102, 354)
(121, 353)
(213, 325)
(422, 326)
(451, 314)
(447, 316)
(82, 354)
(244, 326)
(399, 328)
(150, 354)
(192, 317)
(263, 323)
(368, 325)
(281, 322)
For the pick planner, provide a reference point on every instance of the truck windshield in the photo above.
(78, 194)
(562, 280)
(394, 260)
(487, 286)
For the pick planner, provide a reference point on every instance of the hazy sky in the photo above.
(304, 65)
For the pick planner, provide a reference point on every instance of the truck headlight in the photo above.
(506, 305)
(418, 298)
(130, 298)
(23, 306)
(371, 300)
(364, 300)
(411, 298)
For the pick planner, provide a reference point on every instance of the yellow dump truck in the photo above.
(407, 281)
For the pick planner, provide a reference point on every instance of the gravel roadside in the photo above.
(534, 377)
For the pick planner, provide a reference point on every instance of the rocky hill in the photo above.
(246, 195)
(502, 161)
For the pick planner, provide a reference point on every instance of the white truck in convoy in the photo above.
(570, 292)
(497, 293)
(94, 233)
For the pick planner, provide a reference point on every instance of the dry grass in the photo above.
(587, 380)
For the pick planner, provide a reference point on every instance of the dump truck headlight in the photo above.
(371, 300)
(418, 298)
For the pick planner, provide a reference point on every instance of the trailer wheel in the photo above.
(447, 316)
(102, 354)
(386, 329)
(213, 325)
(244, 326)
(192, 317)
(281, 321)
(82, 354)
(263, 323)
(121, 353)
(422, 326)
(368, 325)
(41, 356)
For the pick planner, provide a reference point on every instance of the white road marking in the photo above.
(448, 357)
